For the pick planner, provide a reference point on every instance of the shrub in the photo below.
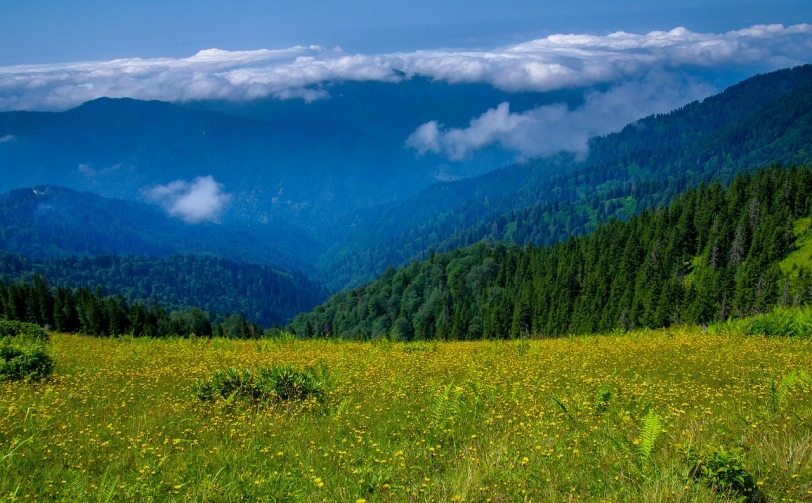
(23, 352)
(723, 470)
(29, 362)
(602, 398)
(263, 386)
(288, 383)
(28, 332)
(522, 346)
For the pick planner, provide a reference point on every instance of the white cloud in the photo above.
(201, 199)
(555, 62)
(426, 138)
(550, 129)
(7, 138)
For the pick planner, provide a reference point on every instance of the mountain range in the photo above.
(310, 164)
(329, 189)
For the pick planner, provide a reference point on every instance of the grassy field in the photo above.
(601, 418)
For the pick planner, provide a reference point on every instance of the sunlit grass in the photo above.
(801, 256)
(552, 420)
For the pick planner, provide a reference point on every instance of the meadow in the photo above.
(644, 416)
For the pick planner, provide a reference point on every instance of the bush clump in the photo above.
(30, 362)
(27, 332)
(724, 471)
(263, 386)
(23, 352)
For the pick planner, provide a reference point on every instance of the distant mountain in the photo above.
(263, 294)
(47, 221)
(764, 119)
(119, 147)
(310, 164)
(391, 112)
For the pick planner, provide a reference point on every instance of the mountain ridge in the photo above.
(50, 221)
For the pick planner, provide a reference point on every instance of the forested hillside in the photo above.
(219, 286)
(118, 147)
(712, 254)
(47, 221)
(764, 119)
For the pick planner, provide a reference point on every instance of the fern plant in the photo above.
(777, 392)
(649, 433)
(641, 451)
(446, 404)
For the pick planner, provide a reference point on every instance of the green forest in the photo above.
(713, 253)
(88, 312)
(264, 294)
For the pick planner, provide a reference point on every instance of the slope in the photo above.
(764, 119)
(710, 255)
(305, 173)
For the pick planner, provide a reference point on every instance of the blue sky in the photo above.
(50, 31)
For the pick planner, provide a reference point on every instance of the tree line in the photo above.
(90, 312)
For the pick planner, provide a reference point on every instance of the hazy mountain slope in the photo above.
(297, 177)
(307, 163)
(392, 111)
(307, 173)
(764, 119)
(54, 222)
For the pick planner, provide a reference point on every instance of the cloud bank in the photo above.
(554, 62)
(196, 201)
(550, 129)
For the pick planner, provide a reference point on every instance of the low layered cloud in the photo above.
(554, 62)
(554, 128)
(196, 201)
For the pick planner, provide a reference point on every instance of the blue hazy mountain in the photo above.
(51, 222)
(119, 148)
(310, 164)
(393, 111)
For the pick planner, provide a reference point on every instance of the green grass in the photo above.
(624, 418)
(801, 256)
